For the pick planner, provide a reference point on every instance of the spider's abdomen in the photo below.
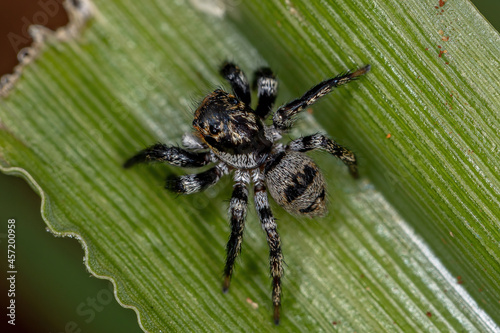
(296, 183)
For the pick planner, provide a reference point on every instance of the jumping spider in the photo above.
(233, 136)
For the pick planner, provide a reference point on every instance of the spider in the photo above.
(235, 138)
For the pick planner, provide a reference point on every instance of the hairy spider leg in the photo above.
(237, 212)
(197, 182)
(273, 240)
(267, 89)
(238, 81)
(171, 155)
(284, 117)
(319, 141)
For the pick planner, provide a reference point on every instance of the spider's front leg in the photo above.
(171, 155)
(319, 141)
(239, 83)
(284, 116)
(273, 239)
(267, 89)
(237, 212)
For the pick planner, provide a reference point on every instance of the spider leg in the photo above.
(235, 76)
(267, 89)
(172, 155)
(237, 211)
(284, 116)
(319, 141)
(193, 183)
(273, 240)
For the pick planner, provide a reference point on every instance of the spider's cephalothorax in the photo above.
(232, 130)
(233, 136)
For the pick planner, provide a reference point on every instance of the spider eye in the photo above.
(233, 101)
(214, 128)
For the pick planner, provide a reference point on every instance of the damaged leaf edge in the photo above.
(79, 13)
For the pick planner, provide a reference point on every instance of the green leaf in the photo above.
(412, 246)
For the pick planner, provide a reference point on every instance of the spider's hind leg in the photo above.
(319, 141)
(237, 211)
(273, 240)
(267, 89)
(238, 81)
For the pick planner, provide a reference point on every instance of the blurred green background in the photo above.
(54, 292)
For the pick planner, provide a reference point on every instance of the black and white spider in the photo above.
(234, 137)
